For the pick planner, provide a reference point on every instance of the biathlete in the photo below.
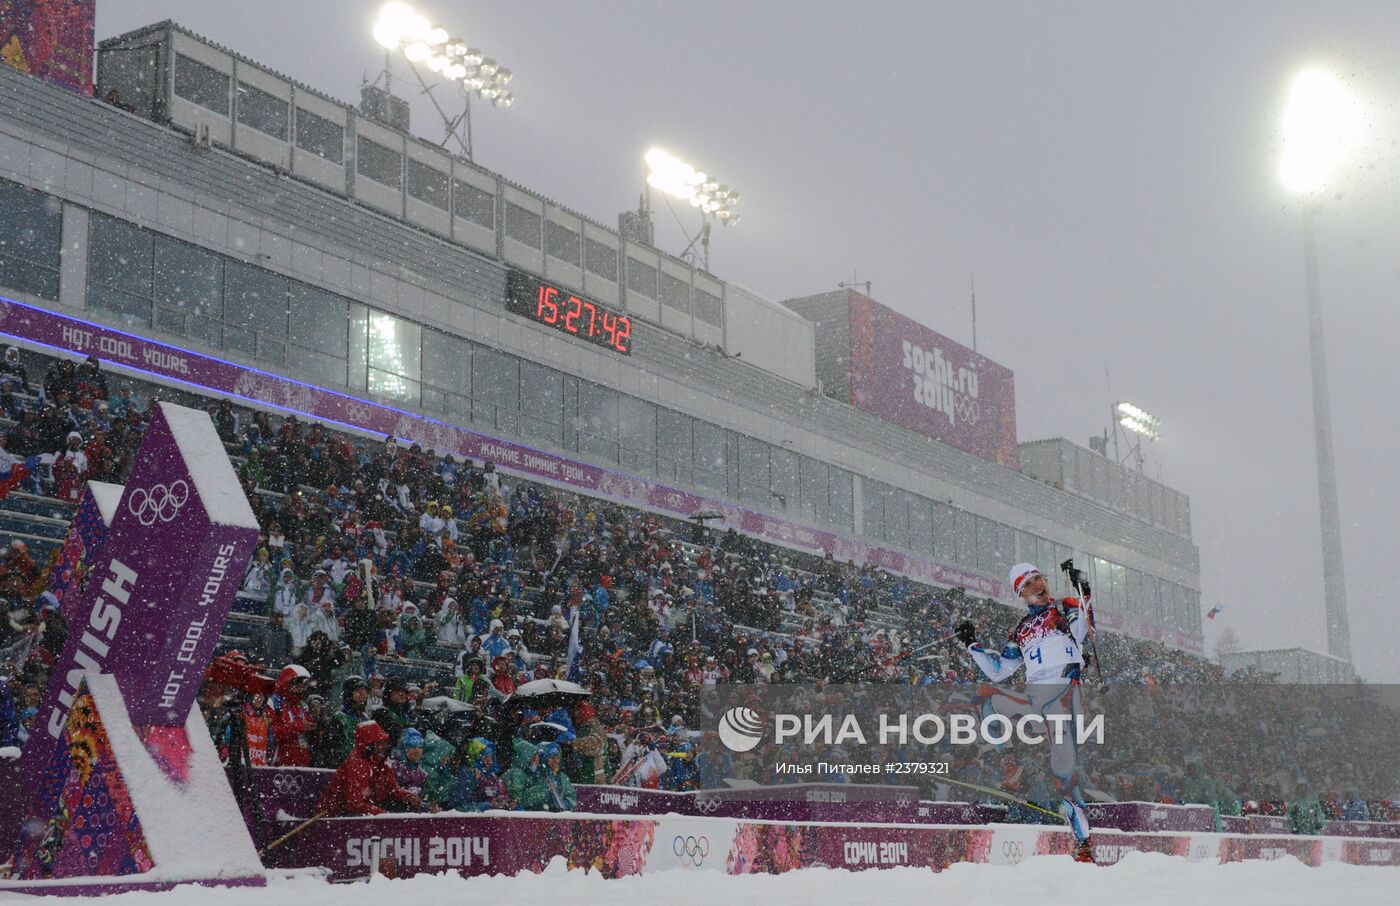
(1048, 641)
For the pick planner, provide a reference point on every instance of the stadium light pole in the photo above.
(1137, 421)
(1321, 120)
(678, 179)
(400, 27)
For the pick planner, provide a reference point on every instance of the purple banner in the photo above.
(908, 374)
(1384, 829)
(495, 843)
(296, 791)
(404, 846)
(37, 325)
(1151, 816)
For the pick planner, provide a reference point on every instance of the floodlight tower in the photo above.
(1321, 124)
(1135, 425)
(399, 27)
(679, 180)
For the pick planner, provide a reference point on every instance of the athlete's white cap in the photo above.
(1020, 573)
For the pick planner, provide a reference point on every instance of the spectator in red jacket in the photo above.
(364, 784)
(290, 722)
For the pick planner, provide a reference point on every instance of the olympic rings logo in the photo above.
(357, 412)
(691, 851)
(1013, 850)
(706, 804)
(286, 783)
(967, 408)
(161, 502)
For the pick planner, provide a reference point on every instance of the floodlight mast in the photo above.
(679, 180)
(401, 28)
(1134, 425)
(1322, 123)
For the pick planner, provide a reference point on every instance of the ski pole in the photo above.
(993, 791)
(292, 833)
(852, 674)
(1068, 568)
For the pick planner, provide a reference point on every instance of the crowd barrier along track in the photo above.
(623, 831)
(617, 846)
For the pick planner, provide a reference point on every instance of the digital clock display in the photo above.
(552, 306)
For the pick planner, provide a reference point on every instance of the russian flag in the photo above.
(1210, 614)
(14, 472)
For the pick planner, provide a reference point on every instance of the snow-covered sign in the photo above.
(160, 585)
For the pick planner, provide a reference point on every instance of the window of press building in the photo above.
(944, 531)
(561, 242)
(473, 204)
(541, 403)
(872, 509)
(711, 458)
(255, 301)
(495, 389)
(121, 264)
(379, 162)
(447, 376)
(320, 136)
(262, 111)
(637, 431)
(897, 505)
(815, 494)
(31, 227)
(825, 493)
(318, 333)
(753, 461)
(995, 552)
(427, 184)
(965, 539)
(709, 308)
(841, 494)
(674, 446)
(189, 291)
(386, 354)
(600, 259)
(785, 483)
(597, 422)
(641, 278)
(523, 225)
(675, 293)
(920, 524)
(201, 84)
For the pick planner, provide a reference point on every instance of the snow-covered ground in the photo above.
(1140, 879)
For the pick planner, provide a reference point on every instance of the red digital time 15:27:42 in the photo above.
(582, 318)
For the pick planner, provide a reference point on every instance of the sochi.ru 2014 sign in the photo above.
(908, 374)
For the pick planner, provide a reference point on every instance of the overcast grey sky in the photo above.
(1106, 170)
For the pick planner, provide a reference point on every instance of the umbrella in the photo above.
(445, 703)
(546, 731)
(542, 687)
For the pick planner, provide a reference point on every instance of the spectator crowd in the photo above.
(401, 603)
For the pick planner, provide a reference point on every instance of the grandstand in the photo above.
(254, 253)
(819, 600)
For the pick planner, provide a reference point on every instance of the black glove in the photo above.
(1077, 578)
(966, 633)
